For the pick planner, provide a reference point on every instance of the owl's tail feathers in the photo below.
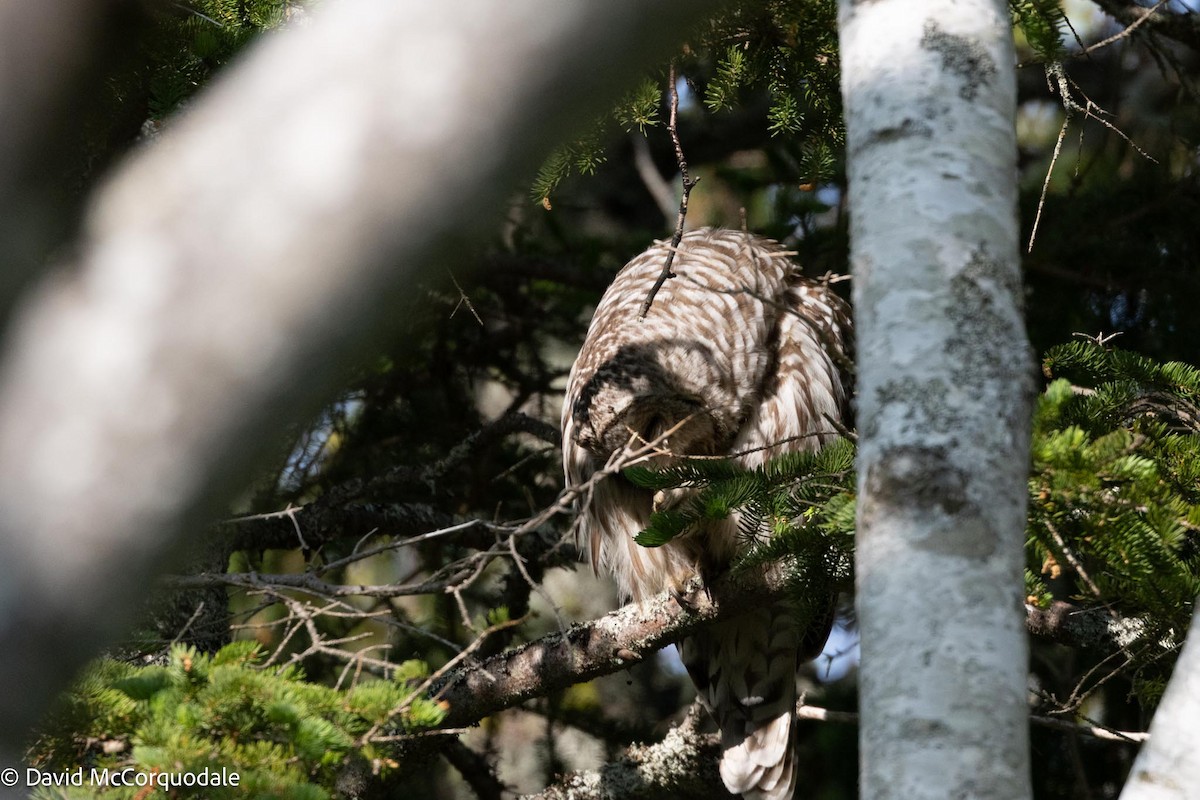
(745, 673)
(761, 766)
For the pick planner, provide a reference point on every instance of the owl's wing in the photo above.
(808, 390)
(745, 670)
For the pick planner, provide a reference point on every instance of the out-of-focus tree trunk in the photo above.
(229, 276)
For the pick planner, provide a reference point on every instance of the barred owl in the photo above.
(741, 355)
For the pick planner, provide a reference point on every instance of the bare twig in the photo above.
(1075, 563)
(1126, 31)
(1037, 218)
(1101, 339)
(688, 183)
(425, 685)
(187, 626)
(1183, 27)
(189, 10)
(1057, 79)
(397, 545)
(805, 711)
(463, 300)
(835, 429)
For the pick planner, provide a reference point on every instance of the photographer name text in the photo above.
(128, 777)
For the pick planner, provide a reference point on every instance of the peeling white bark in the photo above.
(945, 396)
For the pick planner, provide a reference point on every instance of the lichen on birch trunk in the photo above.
(945, 397)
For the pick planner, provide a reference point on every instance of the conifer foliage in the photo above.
(780, 54)
(798, 507)
(286, 737)
(1115, 491)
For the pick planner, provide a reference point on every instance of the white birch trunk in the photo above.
(1168, 767)
(945, 395)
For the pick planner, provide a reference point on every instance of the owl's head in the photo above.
(679, 425)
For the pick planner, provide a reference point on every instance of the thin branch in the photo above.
(1184, 28)
(187, 626)
(815, 713)
(1126, 31)
(688, 183)
(308, 583)
(463, 300)
(425, 685)
(1075, 563)
(1057, 79)
(403, 474)
(1037, 218)
(359, 555)
(322, 523)
(195, 13)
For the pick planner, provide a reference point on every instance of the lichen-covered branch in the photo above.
(600, 647)
(683, 766)
(1091, 628)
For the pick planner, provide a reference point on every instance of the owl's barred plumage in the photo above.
(743, 355)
